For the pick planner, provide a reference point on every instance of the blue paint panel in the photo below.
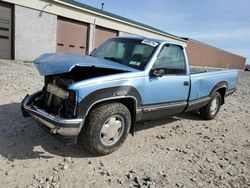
(166, 89)
(157, 90)
(85, 87)
(203, 83)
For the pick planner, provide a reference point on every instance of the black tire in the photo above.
(206, 112)
(91, 134)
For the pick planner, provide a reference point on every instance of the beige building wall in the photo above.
(35, 33)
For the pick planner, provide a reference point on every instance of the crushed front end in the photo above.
(55, 108)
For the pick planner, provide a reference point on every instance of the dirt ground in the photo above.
(183, 151)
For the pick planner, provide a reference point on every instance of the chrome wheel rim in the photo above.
(214, 106)
(112, 130)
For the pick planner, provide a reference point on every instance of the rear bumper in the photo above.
(56, 124)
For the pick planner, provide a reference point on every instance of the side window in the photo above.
(171, 60)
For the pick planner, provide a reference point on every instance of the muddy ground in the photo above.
(183, 151)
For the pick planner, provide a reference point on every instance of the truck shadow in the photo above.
(21, 138)
(162, 122)
(143, 125)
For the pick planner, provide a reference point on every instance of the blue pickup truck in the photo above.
(97, 99)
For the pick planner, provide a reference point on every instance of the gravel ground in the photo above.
(183, 151)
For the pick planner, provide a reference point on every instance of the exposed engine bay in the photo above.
(57, 99)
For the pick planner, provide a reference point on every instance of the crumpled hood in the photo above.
(56, 63)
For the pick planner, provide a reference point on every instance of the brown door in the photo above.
(103, 34)
(5, 30)
(71, 36)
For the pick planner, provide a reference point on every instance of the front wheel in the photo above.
(212, 108)
(106, 128)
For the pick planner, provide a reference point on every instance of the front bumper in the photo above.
(56, 124)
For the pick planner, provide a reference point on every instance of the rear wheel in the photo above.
(212, 108)
(106, 128)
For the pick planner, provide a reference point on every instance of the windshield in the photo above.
(130, 52)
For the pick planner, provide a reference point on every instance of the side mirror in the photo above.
(157, 72)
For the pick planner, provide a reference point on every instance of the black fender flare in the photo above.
(108, 94)
(220, 85)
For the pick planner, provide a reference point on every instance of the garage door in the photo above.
(103, 34)
(5, 31)
(71, 36)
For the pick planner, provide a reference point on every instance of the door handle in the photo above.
(186, 83)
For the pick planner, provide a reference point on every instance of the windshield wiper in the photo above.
(113, 59)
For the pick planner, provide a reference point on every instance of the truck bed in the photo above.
(203, 81)
(197, 70)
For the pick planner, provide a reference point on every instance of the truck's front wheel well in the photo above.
(130, 103)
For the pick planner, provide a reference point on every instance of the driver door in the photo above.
(167, 93)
